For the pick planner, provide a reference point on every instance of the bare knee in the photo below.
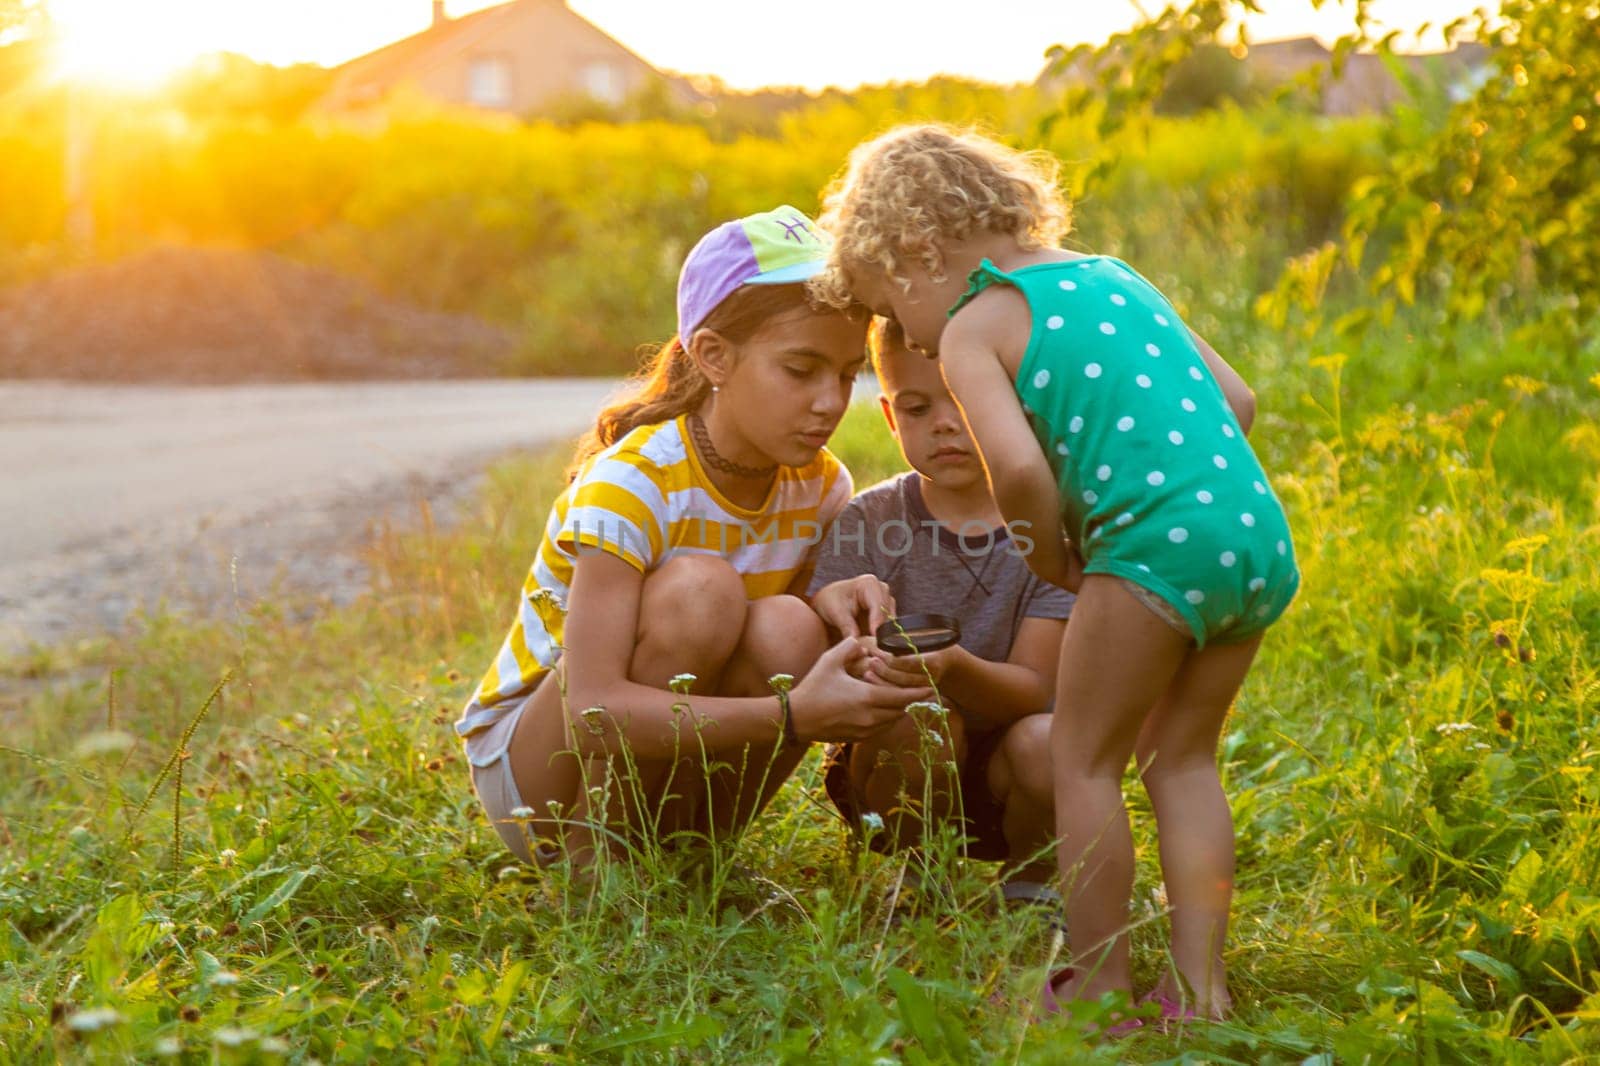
(694, 604)
(1163, 754)
(1172, 775)
(1025, 749)
(912, 754)
(782, 635)
(1079, 758)
(694, 585)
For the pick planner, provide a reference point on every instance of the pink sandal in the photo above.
(1173, 1013)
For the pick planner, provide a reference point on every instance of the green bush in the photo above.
(572, 232)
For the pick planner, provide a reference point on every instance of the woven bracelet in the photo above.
(790, 737)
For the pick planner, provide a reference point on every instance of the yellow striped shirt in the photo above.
(646, 499)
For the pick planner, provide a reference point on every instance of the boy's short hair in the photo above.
(905, 191)
(884, 335)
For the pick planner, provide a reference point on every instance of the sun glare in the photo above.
(119, 44)
(138, 44)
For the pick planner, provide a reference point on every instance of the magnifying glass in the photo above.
(911, 634)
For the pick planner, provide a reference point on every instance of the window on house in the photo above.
(603, 81)
(489, 81)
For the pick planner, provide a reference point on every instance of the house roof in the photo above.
(378, 71)
(368, 77)
(1307, 45)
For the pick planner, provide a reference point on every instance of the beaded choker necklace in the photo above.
(702, 440)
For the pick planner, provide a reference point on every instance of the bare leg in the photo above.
(1019, 777)
(1177, 752)
(1116, 661)
(890, 774)
(691, 618)
(782, 635)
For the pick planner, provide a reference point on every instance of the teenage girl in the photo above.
(682, 545)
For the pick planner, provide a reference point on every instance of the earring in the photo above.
(714, 388)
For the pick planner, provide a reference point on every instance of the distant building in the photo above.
(1365, 85)
(514, 58)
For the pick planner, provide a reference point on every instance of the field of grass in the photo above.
(297, 870)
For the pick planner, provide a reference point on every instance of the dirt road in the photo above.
(114, 498)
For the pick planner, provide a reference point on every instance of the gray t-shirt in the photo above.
(981, 579)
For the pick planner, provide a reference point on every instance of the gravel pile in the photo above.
(192, 315)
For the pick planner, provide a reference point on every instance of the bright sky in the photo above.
(747, 44)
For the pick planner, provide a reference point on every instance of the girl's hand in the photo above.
(1073, 579)
(911, 670)
(830, 704)
(1064, 570)
(844, 605)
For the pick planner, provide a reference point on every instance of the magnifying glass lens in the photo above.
(918, 633)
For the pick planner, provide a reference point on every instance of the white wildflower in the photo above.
(273, 1045)
(1447, 729)
(169, 1046)
(937, 710)
(682, 683)
(872, 821)
(94, 1020)
(522, 813)
(781, 682)
(224, 979)
(226, 856)
(234, 1035)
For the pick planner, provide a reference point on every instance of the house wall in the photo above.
(1365, 85)
(546, 52)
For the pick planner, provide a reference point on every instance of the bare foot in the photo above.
(1071, 983)
(1063, 986)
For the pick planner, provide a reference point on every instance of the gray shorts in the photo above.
(489, 757)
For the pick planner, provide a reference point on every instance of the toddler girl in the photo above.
(1099, 412)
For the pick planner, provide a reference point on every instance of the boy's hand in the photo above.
(909, 671)
(845, 605)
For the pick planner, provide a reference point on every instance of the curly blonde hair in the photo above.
(906, 191)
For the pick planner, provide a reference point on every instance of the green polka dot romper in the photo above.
(1158, 484)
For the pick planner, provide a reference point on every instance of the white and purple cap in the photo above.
(778, 247)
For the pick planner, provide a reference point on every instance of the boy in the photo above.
(935, 538)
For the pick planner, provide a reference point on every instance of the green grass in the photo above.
(1412, 766)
